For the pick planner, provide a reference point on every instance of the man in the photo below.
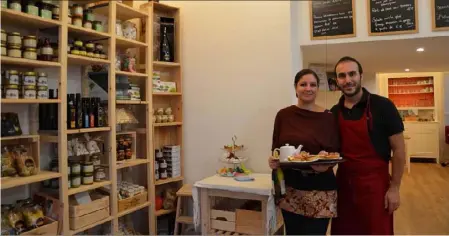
(370, 128)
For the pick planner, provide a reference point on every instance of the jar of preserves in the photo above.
(87, 167)
(14, 51)
(46, 51)
(11, 91)
(121, 155)
(90, 45)
(30, 53)
(97, 26)
(75, 168)
(77, 10)
(15, 5)
(77, 21)
(82, 51)
(42, 92)
(100, 175)
(99, 46)
(29, 92)
(4, 51)
(103, 56)
(88, 179)
(42, 79)
(55, 12)
(29, 78)
(87, 24)
(88, 15)
(90, 54)
(12, 77)
(75, 50)
(29, 41)
(76, 181)
(31, 8)
(14, 38)
(46, 11)
(4, 37)
(95, 160)
(78, 43)
(97, 54)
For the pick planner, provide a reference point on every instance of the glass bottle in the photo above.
(165, 47)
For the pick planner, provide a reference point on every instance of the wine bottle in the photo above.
(91, 112)
(79, 112)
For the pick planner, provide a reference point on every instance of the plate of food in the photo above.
(307, 159)
(303, 157)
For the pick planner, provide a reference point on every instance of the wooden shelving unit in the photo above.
(148, 136)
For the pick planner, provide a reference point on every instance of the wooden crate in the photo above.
(131, 202)
(50, 227)
(99, 201)
(85, 220)
(31, 142)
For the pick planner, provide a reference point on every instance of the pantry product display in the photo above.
(162, 86)
(24, 84)
(28, 47)
(125, 90)
(21, 217)
(82, 16)
(124, 147)
(125, 61)
(168, 162)
(86, 112)
(48, 113)
(10, 124)
(44, 9)
(17, 161)
(86, 49)
(161, 115)
(128, 190)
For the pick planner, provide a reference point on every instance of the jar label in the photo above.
(12, 93)
(13, 79)
(42, 81)
(29, 80)
(42, 94)
(30, 94)
(47, 51)
(46, 14)
(164, 174)
(33, 10)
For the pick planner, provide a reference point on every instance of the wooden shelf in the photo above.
(130, 102)
(166, 94)
(164, 212)
(72, 232)
(10, 182)
(88, 130)
(84, 188)
(131, 163)
(165, 64)
(122, 213)
(29, 101)
(122, 42)
(415, 108)
(125, 12)
(85, 61)
(5, 60)
(169, 180)
(410, 93)
(167, 124)
(409, 85)
(83, 33)
(164, 7)
(26, 136)
(26, 20)
(131, 74)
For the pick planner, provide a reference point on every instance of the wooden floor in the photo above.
(424, 206)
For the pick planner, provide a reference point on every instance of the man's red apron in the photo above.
(363, 181)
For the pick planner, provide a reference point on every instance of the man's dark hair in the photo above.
(346, 59)
(303, 72)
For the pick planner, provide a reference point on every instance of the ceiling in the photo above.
(386, 55)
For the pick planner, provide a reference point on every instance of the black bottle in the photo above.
(91, 112)
(99, 113)
(85, 113)
(79, 112)
(55, 113)
(71, 110)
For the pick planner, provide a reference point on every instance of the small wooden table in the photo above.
(241, 221)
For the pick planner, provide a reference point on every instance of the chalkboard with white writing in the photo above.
(392, 17)
(332, 19)
(440, 10)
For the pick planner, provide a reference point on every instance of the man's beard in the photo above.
(358, 87)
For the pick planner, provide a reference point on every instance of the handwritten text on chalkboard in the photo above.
(392, 15)
(332, 18)
(441, 13)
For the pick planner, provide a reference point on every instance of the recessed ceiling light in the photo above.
(407, 70)
(420, 49)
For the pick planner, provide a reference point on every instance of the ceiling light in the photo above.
(420, 49)
(407, 70)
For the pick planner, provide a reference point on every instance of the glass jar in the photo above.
(83, 51)
(12, 91)
(29, 78)
(99, 46)
(15, 5)
(14, 38)
(12, 77)
(46, 51)
(42, 92)
(100, 175)
(30, 53)
(42, 79)
(88, 15)
(90, 54)
(95, 160)
(14, 51)
(90, 46)
(75, 168)
(98, 26)
(121, 155)
(29, 41)
(78, 43)
(118, 28)
(55, 12)
(4, 36)
(97, 54)
(87, 24)
(29, 92)
(4, 4)
(4, 51)
(77, 21)
(88, 179)
(87, 168)
(75, 51)
(77, 10)
(103, 55)
(31, 8)
(46, 11)
(76, 181)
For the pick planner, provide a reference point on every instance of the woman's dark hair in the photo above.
(303, 72)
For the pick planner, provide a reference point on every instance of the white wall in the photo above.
(237, 74)
(424, 19)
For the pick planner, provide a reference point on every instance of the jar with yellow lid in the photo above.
(78, 43)
(42, 79)
(29, 92)
(14, 51)
(75, 51)
(11, 91)
(77, 21)
(29, 41)
(87, 24)
(42, 92)
(14, 38)
(12, 77)
(76, 10)
(30, 53)
(29, 78)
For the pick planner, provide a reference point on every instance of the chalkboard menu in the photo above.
(392, 17)
(332, 19)
(440, 10)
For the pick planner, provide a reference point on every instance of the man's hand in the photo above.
(392, 201)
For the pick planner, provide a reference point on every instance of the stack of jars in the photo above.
(124, 147)
(27, 85)
(86, 49)
(14, 45)
(84, 18)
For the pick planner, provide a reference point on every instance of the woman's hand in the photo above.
(273, 163)
(321, 168)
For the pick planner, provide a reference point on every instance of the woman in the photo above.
(311, 198)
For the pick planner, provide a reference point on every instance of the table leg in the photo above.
(205, 209)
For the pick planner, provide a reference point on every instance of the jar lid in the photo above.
(14, 33)
(30, 73)
(97, 22)
(14, 46)
(42, 74)
(87, 163)
(30, 49)
(42, 88)
(88, 174)
(13, 72)
(29, 87)
(30, 37)
(12, 86)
